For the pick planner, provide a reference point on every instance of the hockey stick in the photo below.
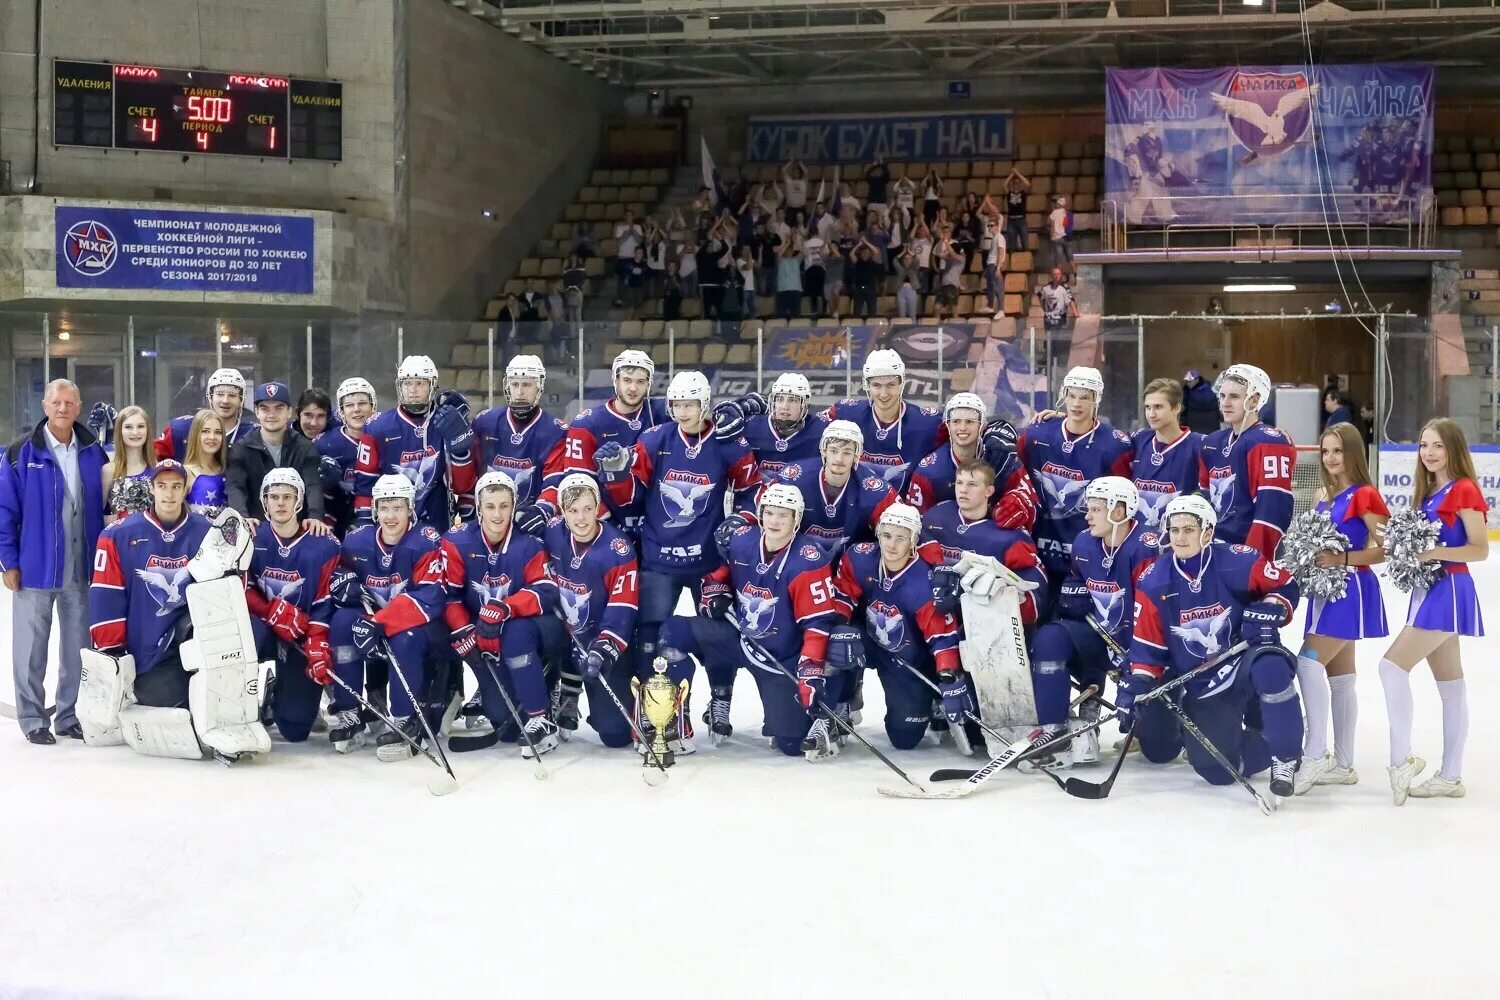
(1015, 751)
(415, 704)
(763, 655)
(651, 778)
(960, 774)
(515, 713)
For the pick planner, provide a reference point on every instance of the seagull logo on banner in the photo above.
(1267, 112)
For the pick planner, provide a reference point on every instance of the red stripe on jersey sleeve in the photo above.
(623, 584)
(107, 572)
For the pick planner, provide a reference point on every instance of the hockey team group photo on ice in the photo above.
(421, 580)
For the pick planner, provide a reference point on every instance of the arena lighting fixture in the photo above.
(1261, 287)
(1255, 3)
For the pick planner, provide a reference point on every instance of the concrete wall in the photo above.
(493, 124)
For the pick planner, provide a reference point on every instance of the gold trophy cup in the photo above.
(660, 702)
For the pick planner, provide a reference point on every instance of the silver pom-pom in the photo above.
(1407, 535)
(127, 496)
(1311, 532)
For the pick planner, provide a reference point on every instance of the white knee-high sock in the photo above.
(1312, 679)
(1397, 684)
(1455, 697)
(1345, 717)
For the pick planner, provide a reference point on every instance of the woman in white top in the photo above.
(905, 192)
(932, 196)
(794, 176)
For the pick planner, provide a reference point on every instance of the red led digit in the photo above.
(201, 139)
(273, 138)
(148, 127)
(209, 109)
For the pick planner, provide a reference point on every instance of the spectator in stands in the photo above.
(822, 222)
(584, 244)
(966, 236)
(950, 260)
(846, 238)
(656, 260)
(744, 266)
(932, 196)
(313, 407)
(687, 270)
(557, 311)
(506, 323)
(705, 210)
(533, 310)
(768, 246)
(1366, 423)
(904, 192)
(1060, 233)
(877, 236)
(677, 227)
(714, 257)
(992, 247)
(575, 280)
(845, 202)
(779, 225)
(814, 255)
(671, 294)
(1057, 302)
(789, 280)
(1016, 186)
(635, 283)
(919, 259)
(865, 279)
(768, 199)
(1200, 406)
(794, 176)
(1337, 408)
(628, 236)
(906, 299)
(878, 177)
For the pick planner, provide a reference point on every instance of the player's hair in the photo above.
(122, 454)
(196, 456)
(566, 498)
(1460, 465)
(1169, 387)
(314, 397)
(978, 467)
(1356, 466)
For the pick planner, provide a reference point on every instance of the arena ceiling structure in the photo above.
(737, 43)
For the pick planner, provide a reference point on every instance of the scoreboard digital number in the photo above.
(118, 106)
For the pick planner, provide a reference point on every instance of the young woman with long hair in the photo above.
(132, 460)
(207, 457)
(1446, 491)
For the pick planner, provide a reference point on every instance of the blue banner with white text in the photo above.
(975, 135)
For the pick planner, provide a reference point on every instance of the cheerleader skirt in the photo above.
(1449, 605)
(1359, 614)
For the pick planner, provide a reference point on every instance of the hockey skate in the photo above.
(1402, 776)
(716, 716)
(938, 727)
(1059, 758)
(819, 745)
(348, 733)
(391, 747)
(544, 737)
(1086, 743)
(565, 712)
(473, 715)
(1324, 770)
(1283, 777)
(1439, 787)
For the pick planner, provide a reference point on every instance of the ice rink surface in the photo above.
(308, 874)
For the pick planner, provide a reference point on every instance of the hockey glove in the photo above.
(998, 439)
(1131, 686)
(492, 619)
(601, 656)
(329, 472)
(958, 700)
(1017, 508)
(612, 457)
(287, 620)
(717, 600)
(946, 590)
(812, 680)
(1260, 623)
(532, 519)
(464, 640)
(451, 426)
(1074, 600)
(731, 526)
(346, 589)
(367, 634)
(846, 649)
(319, 659)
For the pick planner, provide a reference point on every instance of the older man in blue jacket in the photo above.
(51, 513)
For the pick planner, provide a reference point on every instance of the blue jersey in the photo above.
(339, 451)
(443, 471)
(602, 425)
(297, 570)
(138, 597)
(947, 534)
(513, 573)
(1061, 466)
(598, 583)
(834, 517)
(772, 451)
(898, 610)
(683, 478)
(173, 440)
(1160, 472)
(1248, 478)
(404, 581)
(786, 599)
(1110, 576)
(895, 448)
(532, 456)
(1178, 627)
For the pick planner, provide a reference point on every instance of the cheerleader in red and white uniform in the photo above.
(1325, 665)
(1447, 492)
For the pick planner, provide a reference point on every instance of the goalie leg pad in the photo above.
(993, 652)
(104, 690)
(161, 732)
(224, 693)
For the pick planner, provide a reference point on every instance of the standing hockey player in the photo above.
(889, 589)
(1108, 559)
(226, 397)
(970, 438)
(842, 500)
(1063, 454)
(897, 436)
(1246, 468)
(523, 441)
(431, 445)
(598, 583)
(1197, 600)
(498, 594)
(338, 449)
(780, 431)
(1164, 453)
(397, 570)
(287, 592)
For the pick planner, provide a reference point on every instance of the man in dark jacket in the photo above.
(272, 446)
(1200, 405)
(51, 513)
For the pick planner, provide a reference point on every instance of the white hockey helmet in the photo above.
(786, 497)
(353, 387)
(1255, 380)
(574, 481)
(884, 362)
(690, 385)
(1190, 503)
(230, 377)
(903, 515)
(1114, 490)
(494, 480)
(417, 366)
(843, 430)
(1083, 377)
(392, 487)
(633, 359)
(792, 384)
(965, 401)
(283, 477)
(526, 366)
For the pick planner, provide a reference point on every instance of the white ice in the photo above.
(748, 874)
